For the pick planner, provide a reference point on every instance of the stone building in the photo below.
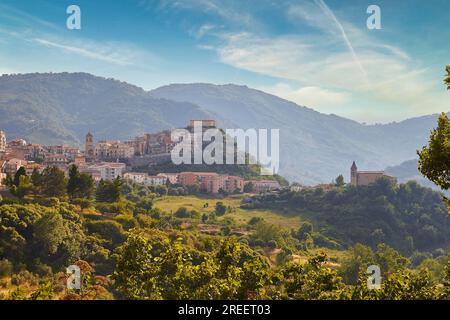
(364, 178)
(113, 150)
(89, 147)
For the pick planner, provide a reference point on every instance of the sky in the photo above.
(316, 53)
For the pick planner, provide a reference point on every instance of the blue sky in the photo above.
(317, 53)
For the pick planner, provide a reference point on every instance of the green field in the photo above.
(171, 204)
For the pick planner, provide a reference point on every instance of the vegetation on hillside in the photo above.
(407, 217)
(134, 242)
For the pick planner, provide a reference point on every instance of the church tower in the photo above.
(354, 174)
(2, 141)
(89, 147)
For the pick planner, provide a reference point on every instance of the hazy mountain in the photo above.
(56, 108)
(314, 146)
(407, 171)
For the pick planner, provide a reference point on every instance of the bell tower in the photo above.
(354, 174)
(89, 147)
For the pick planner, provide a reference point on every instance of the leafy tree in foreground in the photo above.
(447, 78)
(434, 159)
(160, 268)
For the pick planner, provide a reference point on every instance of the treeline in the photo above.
(407, 217)
(52, 183)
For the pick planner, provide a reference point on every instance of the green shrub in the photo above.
(6, 268)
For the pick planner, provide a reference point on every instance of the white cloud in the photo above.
(106, 54)
(338, 58)
(226, 10)
(314, 97)
(203, 30)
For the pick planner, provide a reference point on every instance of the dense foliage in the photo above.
(407, 217)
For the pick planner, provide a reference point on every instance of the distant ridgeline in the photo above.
(407, 217)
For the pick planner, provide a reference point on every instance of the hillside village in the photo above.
(110, 159)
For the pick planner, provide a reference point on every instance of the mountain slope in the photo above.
(57, 108)
(314, 147)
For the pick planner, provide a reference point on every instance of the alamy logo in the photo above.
(374, 280)
(374, 20)
(74, 20)
(200, 145)
(74, 279)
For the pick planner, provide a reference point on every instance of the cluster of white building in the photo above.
(101, 160)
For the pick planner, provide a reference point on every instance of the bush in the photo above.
(127, 222)
(272, 244)
(24, 277)
(182, 213)
(221, 209)
(108, 230)
(258, 243)
(195, 214)
(226, 231)
(6, 268)
(82, 203)
(255, 220)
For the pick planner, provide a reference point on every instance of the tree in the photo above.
(447, 78)
(109, 191)
(310, 281)
(433, 159)
(221, 209)
(357, 261)
(304, 231)
(161, 268)
(182, 212)
(36, 178)
(72, 184)
(25, 186)
(19, 173)
(54, 183)
(249, 187)
(433, 162)
(80, 185)
(49, 233)
(340, 180)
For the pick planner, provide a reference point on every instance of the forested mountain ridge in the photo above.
(63, 107)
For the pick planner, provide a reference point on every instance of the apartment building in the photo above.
(211, 182)
(105, 170)
(145, 179)
(265, 185)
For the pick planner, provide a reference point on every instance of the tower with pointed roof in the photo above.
(2, 141)
(354, 174)
(89, 147)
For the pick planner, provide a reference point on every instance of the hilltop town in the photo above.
(110, 159)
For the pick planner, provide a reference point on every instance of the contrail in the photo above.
(331, 15)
